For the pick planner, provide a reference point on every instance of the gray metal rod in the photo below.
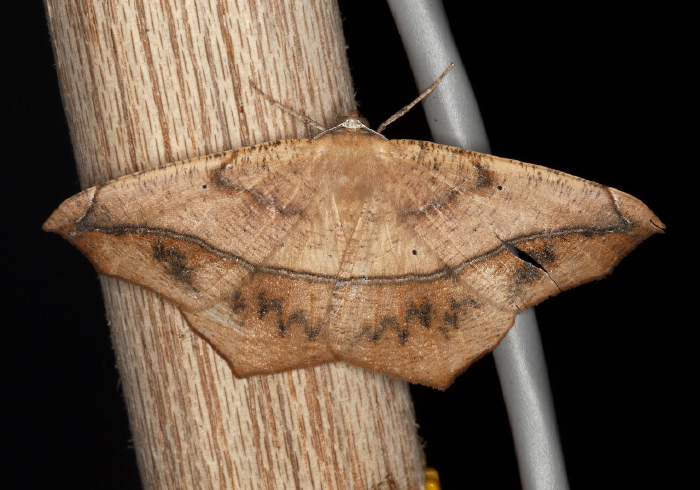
(454, 119)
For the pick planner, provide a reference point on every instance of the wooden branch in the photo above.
(149, 82)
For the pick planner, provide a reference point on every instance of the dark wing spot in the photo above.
(375, 334)
(421, 313)
(271, 306)
(458, 307)
(296, 318)
(546, 255)
(525, 274)
(238, 303)
(176, 260)
(484, 177)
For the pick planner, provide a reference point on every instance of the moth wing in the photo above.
(574, 229)
(191, 229)
(464, 210)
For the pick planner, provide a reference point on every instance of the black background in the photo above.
(596, 93)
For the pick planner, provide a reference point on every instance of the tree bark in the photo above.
(147, 82)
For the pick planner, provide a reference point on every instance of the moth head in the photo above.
(354, 120)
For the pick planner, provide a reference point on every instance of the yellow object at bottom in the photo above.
(432, 479)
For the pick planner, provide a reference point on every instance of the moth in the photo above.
(392, 255)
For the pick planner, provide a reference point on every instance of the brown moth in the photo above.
(391, 255)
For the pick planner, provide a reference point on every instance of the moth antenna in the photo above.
(305, 119)
(422, 96)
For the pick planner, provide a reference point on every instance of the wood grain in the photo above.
(149, 82)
